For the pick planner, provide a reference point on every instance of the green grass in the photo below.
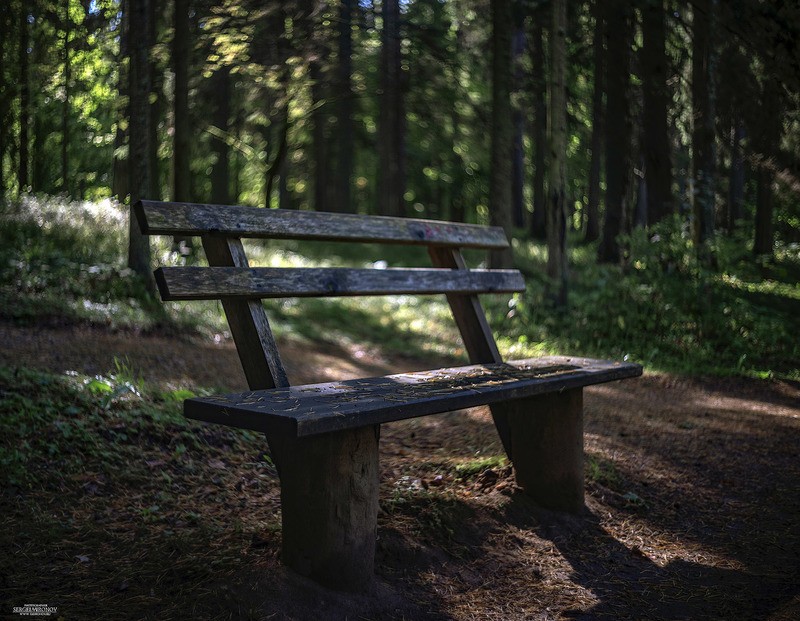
(66, 261)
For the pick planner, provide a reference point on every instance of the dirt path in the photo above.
(693, 505)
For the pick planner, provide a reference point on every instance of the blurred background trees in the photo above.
(673, 111)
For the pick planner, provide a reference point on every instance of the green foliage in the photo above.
(63, 259)
(668, 310)
(603, 472)
(65, 421)
(474, 467)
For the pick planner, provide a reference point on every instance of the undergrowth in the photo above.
(663, 307)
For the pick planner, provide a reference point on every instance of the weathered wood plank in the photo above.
(248, 322)
(467, 311)
(329, 506)
(547, 447)
(474, 328)
(320, 408)
(157, 218)
(205, 283)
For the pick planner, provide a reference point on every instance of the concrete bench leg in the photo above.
(329, 504)
(546, 434)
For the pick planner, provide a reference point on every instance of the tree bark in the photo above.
(220, 169)
(598, 122)
(320, 137)
(155, 101)
(518, 121)
(557, 208)
(501, 137)
(457, 200)
(5, 95)
(65, 109)
(119, 184)
(138, 161)
(391, 127)
(24, 101)
(539, 217)
(618, 126)
(181, 176)
(657, 160)
(736, 179)
(344, 111)
(704, 156)
(764, 240)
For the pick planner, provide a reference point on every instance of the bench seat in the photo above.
(333, 406)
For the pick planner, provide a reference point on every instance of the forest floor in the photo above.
(692, 507)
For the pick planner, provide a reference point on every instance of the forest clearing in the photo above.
(390, 210)
(115, 502)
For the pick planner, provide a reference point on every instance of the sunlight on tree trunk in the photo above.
(598, 123)
(138, 161)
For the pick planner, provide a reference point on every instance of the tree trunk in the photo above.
(642, 194)
(284, 197)
(319, 134)
(138, 161)
(618, 126)
(768, 141)
(119, 183)
(457, 206)
(343, 200)
(704, 157)
(557, 208)
(5, 95)
(391, 128)
(501, 137)
(65, 109)
(539, 217)
(518, 120)
(279, 167)
(657, 160)
(220, 169)
(736, 180)
(24, 101)
(155, 102)
(181, 176)
(598, 123)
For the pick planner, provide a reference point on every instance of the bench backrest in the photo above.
(230, 278)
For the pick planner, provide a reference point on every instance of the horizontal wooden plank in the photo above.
(321, 408)
(159, 218)
(209, 283)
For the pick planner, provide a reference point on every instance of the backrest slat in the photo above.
(206, 283)
(191, 219)
(247, 320)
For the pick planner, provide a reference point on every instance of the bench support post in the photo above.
(329, 504)
(547, 448)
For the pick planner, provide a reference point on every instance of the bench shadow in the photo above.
(720, 473)
(626, 583)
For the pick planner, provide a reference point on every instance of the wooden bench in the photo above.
(324, 437)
